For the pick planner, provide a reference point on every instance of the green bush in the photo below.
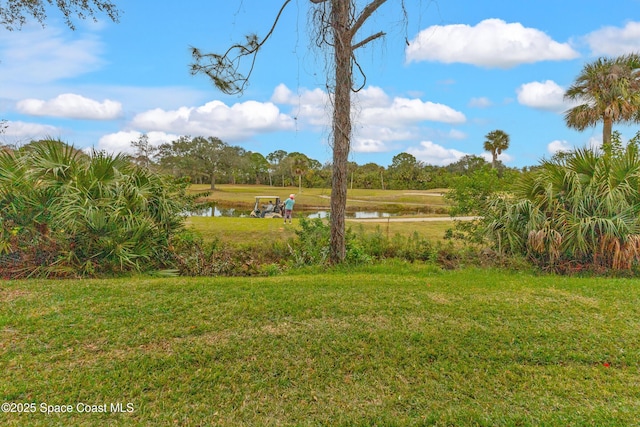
(66, 213)
(471, 194)
(309, 251)
(312, 245)
(577, 212)
(195, 257)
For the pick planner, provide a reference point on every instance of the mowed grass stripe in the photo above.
(383, 345)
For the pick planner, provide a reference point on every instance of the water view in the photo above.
(215, 211)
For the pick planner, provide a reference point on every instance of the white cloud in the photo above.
(435, 154)
(547, 95)
(372, 106)
(283, 95)
(372, 97)
(382, 120)
(614, 41)
(491, 43)
(402, 111)
(456, 134)
(380, 139)
(361, 145)
(558, 145)
(308, 107)
(481, 102)
(384, 133)
(137, 98)
(239, 121)
(120, 142)
(379, 121)
(36, 55)
(19, 132)
(72, 106)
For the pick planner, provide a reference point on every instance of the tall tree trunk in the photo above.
(607, 130)
(213, 181)
(341, 127)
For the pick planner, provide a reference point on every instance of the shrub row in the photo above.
(310, 248)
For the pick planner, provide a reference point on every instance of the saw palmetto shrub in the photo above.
(68, 213)
(580, 211)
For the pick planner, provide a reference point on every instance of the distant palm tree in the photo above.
(496, 142)
(608, 91)
(300, 166)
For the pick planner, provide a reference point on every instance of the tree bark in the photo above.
(341, 127)
(607, 130)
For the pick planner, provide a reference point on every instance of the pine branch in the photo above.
(223, 69)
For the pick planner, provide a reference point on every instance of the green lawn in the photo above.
(242, 230)
(383, 345)
(247, 230)
(319, 198)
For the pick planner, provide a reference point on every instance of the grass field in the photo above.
(319, 198)
(387, 345)
(248, 230)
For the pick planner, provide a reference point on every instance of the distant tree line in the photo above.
(209, 160)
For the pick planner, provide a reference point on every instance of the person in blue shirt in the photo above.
(288, 208)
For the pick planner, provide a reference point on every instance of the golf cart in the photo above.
(267, 207)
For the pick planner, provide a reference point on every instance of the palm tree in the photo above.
(608, 91)
(582, 210)
(300, 166)
(496, 142)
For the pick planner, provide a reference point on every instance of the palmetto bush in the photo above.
(579, 211)
(65, 212)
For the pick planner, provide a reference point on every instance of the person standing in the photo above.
(288, 208)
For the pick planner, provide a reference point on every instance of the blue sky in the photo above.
(436, 84)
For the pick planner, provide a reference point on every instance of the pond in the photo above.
(215, 211)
